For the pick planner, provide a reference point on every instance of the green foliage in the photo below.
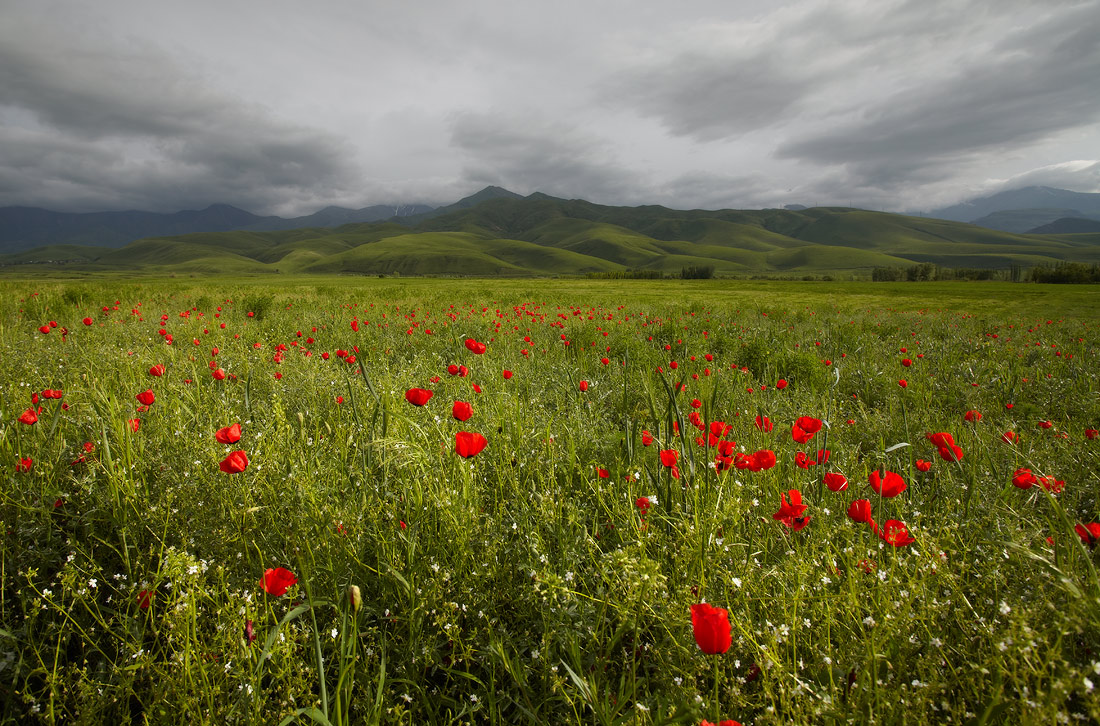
(521, 586)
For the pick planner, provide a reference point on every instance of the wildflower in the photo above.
(22, 466)
(669, 457)
(647, 438)
(235, 463)
(229, 434)
(1024, 479)
(923, 465)
(583, 386)
(157, 371)
(860, 511)
(1010, 437)
(468, 443)
(145, 599)
(418, 396)
(781, 384)
(461, 411)
(29, 417)
(711, 628)
(790, 514)
(895, 533)
(146, 398)
(474, 347)
(355, 598)
(1089, 533)
(764, 424)
(888, 485)
(804, 429)
(836, 481)
(277, 581)
(972, 416)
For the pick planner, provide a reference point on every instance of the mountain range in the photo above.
(497, 232)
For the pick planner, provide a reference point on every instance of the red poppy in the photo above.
(903, 383)
(923, 465)
(647, 438)
(1052, 485)
(836, 481)
(134, 423)
(643, 504)
(711, 628)
(602, 473)
(1024, 479)
(507, 374)
(475, 347)
(763, 459)
(584, 386)
(468, 443)
(669, 457)
(781, 384)
(235, 463)
(802, 461)
(764, 424)
(145, 599)
(277, 581)
(157, 370)
(860, 511)
(1010, 437)
(29, 417)
(972, 416)
(888, 485)
(461, 410)
(727, 722)
(1091, 433)
(87, 321)
(146, 398)
(229, 434)
(906, 362)
(418, 396)
(22, 466)
(219, 374)
(804, 429)
(1089, 533)
(1046, 424)
(790, 513)
(895, 533)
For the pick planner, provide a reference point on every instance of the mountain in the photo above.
(1069, 225)
(23, 228)
(511, 235)
(1027, 198)
(1023, 220)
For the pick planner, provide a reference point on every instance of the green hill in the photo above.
(506, 235)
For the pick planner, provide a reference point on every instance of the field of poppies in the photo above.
(558, 502)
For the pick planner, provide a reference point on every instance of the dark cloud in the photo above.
(1028, 86)
(96, 128)
(525, 154)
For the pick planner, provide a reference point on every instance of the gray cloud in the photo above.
(88, 127)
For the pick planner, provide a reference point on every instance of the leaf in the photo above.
(895, 447)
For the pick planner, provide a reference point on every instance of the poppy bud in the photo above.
(711, 628)
(355, 598)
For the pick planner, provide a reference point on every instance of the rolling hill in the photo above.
(498, 233)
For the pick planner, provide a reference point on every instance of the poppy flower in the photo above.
(22, 466)
(418, 396)
(895, 533)
(235, 463)
(1089, 533)
(804, 429)
(643, 504)
(647, 438)
(134, 423)
(29, 417)
(1024, 479)
(1010, 437)
(157, 371)
(468, 443)
(727, 722)
(1052, 485)
(219, 374)
(763, 459)
(860, 511)
(584, 386)
(836, 481)
(711, 628)
(781, 384)
(764, 424)
(972, 416)
(475, 347)
(923, 465)
(802, 461)
(888, 485)
(461, 410)
(906, 362)
(249, 635)
(145, 599)
(1091, 434)
(87, 321)
(277, 581)
(669, 457)
(602, 473)
(229, 434)
(790, 513)
(903, 383)
(507, 374)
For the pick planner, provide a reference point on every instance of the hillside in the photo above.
(507, 235)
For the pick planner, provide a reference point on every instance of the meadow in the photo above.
(406, 501)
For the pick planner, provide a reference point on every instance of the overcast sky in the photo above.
(285, 106)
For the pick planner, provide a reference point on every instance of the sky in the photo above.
(285, 107)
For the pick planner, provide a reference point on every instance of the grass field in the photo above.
(353, 557)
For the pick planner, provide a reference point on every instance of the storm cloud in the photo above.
(285, 108)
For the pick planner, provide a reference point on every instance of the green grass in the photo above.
(519, 586)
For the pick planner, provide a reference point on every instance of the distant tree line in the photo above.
(930, 272)
(690, 272)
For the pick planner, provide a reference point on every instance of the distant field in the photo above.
(889, 490)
